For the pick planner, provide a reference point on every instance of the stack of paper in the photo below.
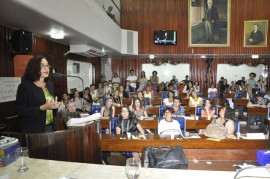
(83, 121)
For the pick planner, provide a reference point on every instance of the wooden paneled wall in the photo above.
(146, 16)
(54, 53)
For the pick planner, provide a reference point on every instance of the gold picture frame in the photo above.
(206, 30)
(258, 38)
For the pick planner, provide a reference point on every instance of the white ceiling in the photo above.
(16, 15)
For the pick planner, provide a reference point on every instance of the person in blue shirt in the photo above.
(178, 109)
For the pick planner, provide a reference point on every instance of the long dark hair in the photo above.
(33, 68)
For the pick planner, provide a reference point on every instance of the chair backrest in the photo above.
(184, 101)
(156, 101)
(95, 109)
(268, 116)
(212, 96)
(200, 94)
(162, 110)
(199, 110)
(151, 111)
(117, 110)
(126, 101)
(113, 122)
(157, 95)
(190, 110)
(180, 120)
(182, 95)
(148, 101)
(132, 95)
(236, 126)
(238, 95)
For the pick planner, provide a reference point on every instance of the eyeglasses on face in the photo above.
(45, 66)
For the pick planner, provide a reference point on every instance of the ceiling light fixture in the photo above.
(57, 34)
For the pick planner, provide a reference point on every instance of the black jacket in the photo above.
(28, 101)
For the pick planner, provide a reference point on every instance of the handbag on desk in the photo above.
(167, 157)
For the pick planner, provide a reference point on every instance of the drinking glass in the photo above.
(22, 158)
(133, 167)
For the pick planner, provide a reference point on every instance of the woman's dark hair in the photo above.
(211, 107)
(87, 88)
(170, 91)
(188, 86)
(129, 113)
(134, 102)
(154, 72)
(229, 113)
(32, 70)
(169, 109)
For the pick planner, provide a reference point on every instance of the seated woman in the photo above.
(208, 110)
(122, 92)
(108, 110)
(127, 123)
(168, 125)
(142, 99)
(64, 102)
(137, 109)
(78, 101)
(148, 93)
(195, 100)
(169, 100)
(116, 98)
(212, 91)
(221, 127)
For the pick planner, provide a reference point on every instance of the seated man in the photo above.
(178, 109)
(258, 101)
(168, 125)
(70, 113)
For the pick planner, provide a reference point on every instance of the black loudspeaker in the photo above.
(22, 41)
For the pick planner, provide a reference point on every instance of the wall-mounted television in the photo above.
(165, 37)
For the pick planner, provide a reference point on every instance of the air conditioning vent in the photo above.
(86, 50)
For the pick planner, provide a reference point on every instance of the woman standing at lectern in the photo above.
(35, 98)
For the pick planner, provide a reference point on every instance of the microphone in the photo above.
(56, 74)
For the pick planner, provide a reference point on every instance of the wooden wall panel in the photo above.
(147, 16)
(54, 52)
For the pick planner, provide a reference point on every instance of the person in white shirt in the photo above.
(168, 125)
(132, 78)
(116, 79)
(212, 91)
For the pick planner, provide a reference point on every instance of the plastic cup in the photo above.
(128, 135)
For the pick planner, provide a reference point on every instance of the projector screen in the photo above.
(166, 71)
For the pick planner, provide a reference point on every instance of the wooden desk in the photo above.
(229, 95)
(182, 95)
(240, 102)
(200, 149)
(190, 110)
(257, 111)
(184, 101)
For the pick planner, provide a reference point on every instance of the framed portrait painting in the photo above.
(209, 23)
(255, 33)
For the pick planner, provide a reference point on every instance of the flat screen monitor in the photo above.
(165, 37)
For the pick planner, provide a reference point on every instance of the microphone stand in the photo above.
(58, 75)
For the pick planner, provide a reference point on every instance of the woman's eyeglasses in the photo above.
(45, 66)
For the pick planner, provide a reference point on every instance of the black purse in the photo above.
(167, 157)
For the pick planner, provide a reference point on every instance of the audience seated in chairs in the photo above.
(128, 123)
(168, 125)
